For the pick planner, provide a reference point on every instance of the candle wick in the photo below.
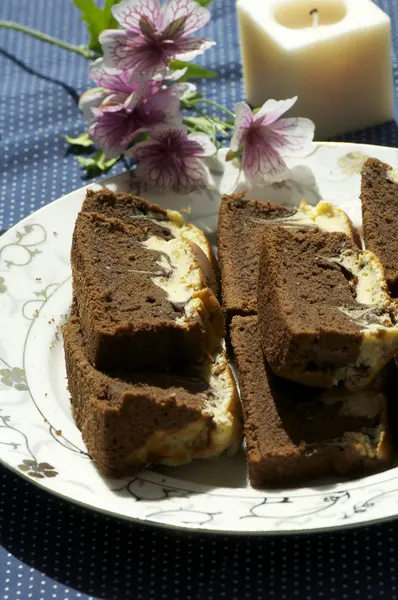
(314, 13)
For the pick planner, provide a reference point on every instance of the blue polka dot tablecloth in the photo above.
(50, 549)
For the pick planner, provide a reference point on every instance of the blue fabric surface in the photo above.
(50, 549)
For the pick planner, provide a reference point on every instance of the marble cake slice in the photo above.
(132, 420)
(325, 315)
(144, 292)
(134, 210)
(295, 433)
(379, 197)
(241, 224)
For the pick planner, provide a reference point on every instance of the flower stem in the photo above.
(82, 50)
(211, 103)
(202, 114)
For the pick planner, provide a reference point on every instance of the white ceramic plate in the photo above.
(38, 438)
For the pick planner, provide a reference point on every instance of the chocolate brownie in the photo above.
(132, 420)
(143, 293)
(379, 196)
(240, 227)
(325, 314)
(294, 433)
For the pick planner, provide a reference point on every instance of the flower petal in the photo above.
(163, 107)
(196, 16)
(117, 51)
(175, 29)
(293, 135)
(124, 51)
(162, 133)
(121, 81)
(167, 175)
(205, 143)
(170, 75)
(130, 12)
(262, 162)
(168, 160)
(192, 175)
(113, 103)
(243, 120)
(90, 100)
(273, 109)
(113, 132)
(187, 48)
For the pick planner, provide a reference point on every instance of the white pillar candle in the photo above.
(335, 55)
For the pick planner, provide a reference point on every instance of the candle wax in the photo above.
(340, 67)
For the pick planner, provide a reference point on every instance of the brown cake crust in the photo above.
(127, 319)
(379, 197)
(312, 324)
(291, 435)
(126, 207)
(132, 420)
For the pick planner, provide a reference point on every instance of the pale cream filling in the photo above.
(200, 439)
(371, 287)
(183, 275)
(324, 216)
(366, 404)
(380, 340)
(392, 175)
(223, 406)
(363, 404)
(192, 233)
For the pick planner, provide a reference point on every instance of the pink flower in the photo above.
(154, 33)
(123, 108)
(170, 159)
(261, 140)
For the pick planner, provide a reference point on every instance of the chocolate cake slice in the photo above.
(143, 291)
(240, 227)
(379, 197)
(133, 420)
(325, 315)
(294, 433)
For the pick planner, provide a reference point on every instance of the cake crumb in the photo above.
(58, 431)
(55, 234)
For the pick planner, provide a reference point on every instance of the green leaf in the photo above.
(199, 124)
(193, 71)
(203, 125)
(80, 140)
(97, 163)
(97, 19)
(204, 2)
